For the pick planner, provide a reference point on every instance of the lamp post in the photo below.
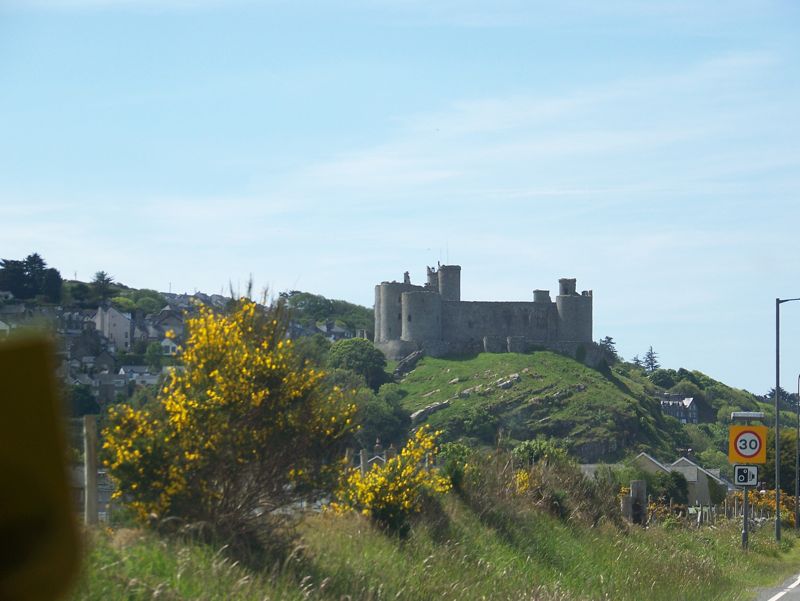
(797, 460)
(778, 303)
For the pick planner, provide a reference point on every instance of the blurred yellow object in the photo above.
(39, 550)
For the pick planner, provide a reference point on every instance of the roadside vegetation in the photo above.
(462, 548)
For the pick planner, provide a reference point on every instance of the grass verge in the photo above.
(459, 554)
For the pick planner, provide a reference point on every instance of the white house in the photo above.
(168, 347)
(698, 478)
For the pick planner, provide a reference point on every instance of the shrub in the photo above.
(242, 431)
(455, 457)
(532, 451)
(390, 493)
(361, 356)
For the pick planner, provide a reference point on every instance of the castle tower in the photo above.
(450, 282)
(388, 316)
(574, 312)
(422, 316)
(541, 296)
(378, 313)
(433, 280)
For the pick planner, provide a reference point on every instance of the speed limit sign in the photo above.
(747, 444)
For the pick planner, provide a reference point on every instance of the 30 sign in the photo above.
(747, 444)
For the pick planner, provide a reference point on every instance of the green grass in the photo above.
(597, 415)
(463, 554)
(134, 564)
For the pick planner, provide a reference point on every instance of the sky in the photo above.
(649, 149)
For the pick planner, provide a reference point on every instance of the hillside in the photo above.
(598, 415)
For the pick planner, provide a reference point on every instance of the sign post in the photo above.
(747, 445)
(745, 476)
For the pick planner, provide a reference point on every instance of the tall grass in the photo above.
(459, 552)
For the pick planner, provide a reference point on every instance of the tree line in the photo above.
(30, 278)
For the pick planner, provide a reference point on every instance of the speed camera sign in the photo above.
(745, 475)
(747, 444)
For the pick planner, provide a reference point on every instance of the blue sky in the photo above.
(649, 149)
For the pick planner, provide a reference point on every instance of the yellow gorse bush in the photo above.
(243, 428)
(522, 481)
(764, 500)
(389, 493)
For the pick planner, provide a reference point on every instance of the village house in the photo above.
(116, 326)
(684, 409)
(699, 479)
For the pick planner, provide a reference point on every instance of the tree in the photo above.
(610, 348)
(663, 377)
(13, 278)
(636, 361)
(651, 360)
(154, 356)
(82, 401)
(313, 349)
(101, 286)
(34, 271)
(382, 416)
(671, 485)
(123, 303)
(361, 356)
(78, 292)
(51, 285)
(234, 439)
(787, 400)
(788, 445)
(30, 277)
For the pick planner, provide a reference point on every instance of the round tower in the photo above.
(377, 312)
(422, 316)
(450, 282)
(566, 286)
(574, 313)
(390, 320)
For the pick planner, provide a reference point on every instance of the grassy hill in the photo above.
(598, 415)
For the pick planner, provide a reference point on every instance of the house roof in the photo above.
(686, 402)
(686, 462)
(685, 466)
(645, 457)
(134, 369)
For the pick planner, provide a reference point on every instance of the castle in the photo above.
(433, 318)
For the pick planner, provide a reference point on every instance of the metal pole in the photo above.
(744, 519)
(90, 469)
(777, 420)
(778, 302)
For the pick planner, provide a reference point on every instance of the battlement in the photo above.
(433, 317)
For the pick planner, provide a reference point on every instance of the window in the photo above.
(409, 317)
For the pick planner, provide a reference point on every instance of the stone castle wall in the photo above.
(435, 319)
